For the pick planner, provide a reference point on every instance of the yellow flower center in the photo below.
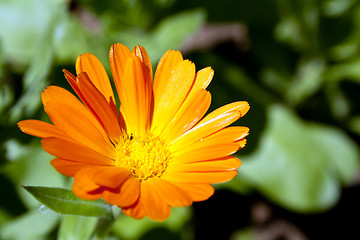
(145, 156)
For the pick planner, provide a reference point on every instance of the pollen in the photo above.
(145, 156)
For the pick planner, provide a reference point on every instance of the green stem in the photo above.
(104, 225)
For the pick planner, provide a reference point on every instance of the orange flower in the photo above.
(153, 153)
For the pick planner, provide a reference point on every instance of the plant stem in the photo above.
(104, 225)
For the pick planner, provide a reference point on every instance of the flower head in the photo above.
(154, 151)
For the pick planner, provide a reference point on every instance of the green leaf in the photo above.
(65, 202)
(289, 30)
(23, 24)
(67, 48)
(34, 79)
(348, 70)
(170, 33)
(335, 8)
(307, 80)
(300, 165)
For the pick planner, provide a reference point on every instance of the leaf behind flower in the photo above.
(65, 202)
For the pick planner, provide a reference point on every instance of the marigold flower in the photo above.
(156, 150)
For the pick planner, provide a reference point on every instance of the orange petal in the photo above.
(164, 70)
(211, 123)
(136, 96)
(205, 153)
(100, 107)
(194, 106)
(155, 208)
(69, 76)
(241, 143)
(198, 192)
(198, 177)
(144, 57)
(79, 126)
(40, 129)
(202, 80)
(73, 81)
(188, 115)
(242, 107)
(95, 70)
(118, 56)
(61, 95)
(203, 130)
(83, 181)
(125, 195)
(228, 134)
(169, 193)
(108, 176)
(68, 168)
(94, 195)
(142, 54)
(227, 163)
(74, 152)
(166, 104)
(224, 136)
(136, 210)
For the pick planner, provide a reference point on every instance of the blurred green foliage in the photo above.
(308, 158)
(299, 70)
